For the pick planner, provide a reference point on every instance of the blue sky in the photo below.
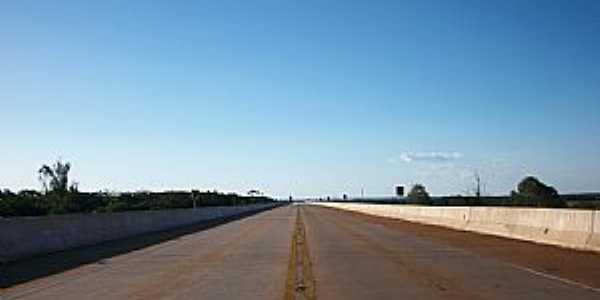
(312, 98)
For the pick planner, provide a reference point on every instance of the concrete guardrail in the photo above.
(27, 236)
(572, 228)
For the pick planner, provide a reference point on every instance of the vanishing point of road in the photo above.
(312, 252)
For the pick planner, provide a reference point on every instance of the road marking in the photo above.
(300, 283)
(560, 279)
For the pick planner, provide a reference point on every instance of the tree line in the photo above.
(530, 192)
(59, 196)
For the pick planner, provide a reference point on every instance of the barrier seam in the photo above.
(468, 221)
(589, 238)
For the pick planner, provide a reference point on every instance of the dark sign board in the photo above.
(400, 191)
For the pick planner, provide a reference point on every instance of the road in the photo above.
(243, 259)
(310, 252)
(360, 257)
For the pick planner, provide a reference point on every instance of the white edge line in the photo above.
(560, 279)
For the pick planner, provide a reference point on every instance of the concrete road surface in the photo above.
(244, 259)
(311, 252)
(360, 257)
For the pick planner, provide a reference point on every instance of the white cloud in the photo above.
(427, 157)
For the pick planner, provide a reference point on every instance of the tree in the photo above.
(418, 195)
(56, 178)
(58, 193)
(254, 193)
(531, 191)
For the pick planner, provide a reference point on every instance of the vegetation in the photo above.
(60, 197)
(418, 195)
(33, 203)
(56, 178)
(532, 192)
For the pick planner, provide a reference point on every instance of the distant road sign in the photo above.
(400, 191)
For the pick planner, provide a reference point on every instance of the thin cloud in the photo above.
(427, 157)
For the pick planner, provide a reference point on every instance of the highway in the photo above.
(361, 257)
(243, 259)
(311, 252)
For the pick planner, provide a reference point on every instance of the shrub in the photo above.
(418, 195)
(532, 192)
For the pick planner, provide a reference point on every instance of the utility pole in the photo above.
(478, 188)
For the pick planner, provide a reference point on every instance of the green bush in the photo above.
(418, 195)
(532, 192)
(31, 203)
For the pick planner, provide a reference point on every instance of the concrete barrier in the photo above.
(562, 227)
(27, 236)
(594, 239)
(578, 229)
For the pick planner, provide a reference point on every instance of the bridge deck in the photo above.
(339, 255)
